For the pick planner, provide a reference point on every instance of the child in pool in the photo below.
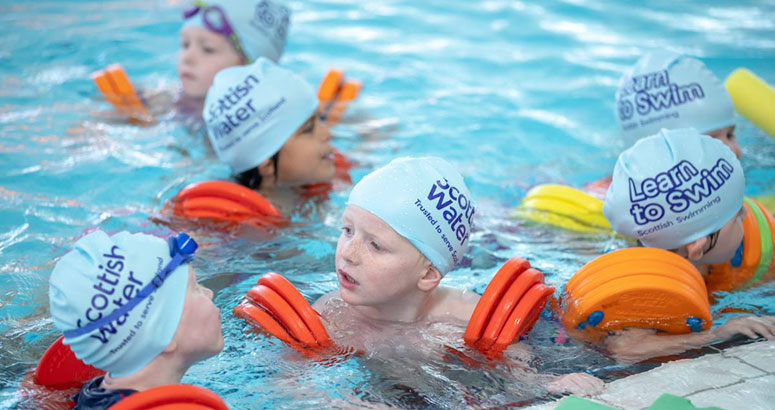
(156, 340)
(224, 33)
(405, 226)
(219, 34)
(651, 199)
(262, 121)
(665, 89)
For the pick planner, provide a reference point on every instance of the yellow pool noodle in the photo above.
(753, 99)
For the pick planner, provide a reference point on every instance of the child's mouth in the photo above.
(346, 280)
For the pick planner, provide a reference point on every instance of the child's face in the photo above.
(727, 136)
(199, 334)
(375, 266)
(203, 53)
(307, 157)
(728, 240)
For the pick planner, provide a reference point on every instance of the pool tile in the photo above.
(761, 355)
(751, 394)
(680, 378)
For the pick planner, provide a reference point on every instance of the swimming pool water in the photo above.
(512, 93)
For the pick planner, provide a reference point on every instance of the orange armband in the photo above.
(334, 94)
(635, 288)
(172, 396)
(226, 202)
(276, 306)
(115, 86)
(508, 308)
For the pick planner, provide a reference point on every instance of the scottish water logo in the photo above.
(227, 113)
(110, 294)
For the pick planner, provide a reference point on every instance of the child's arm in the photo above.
(634, 345)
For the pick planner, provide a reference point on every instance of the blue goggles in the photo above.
(182, 248)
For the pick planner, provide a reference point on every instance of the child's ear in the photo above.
(430, 279)
(266, 169)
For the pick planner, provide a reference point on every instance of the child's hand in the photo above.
(576, 383)
(751, 326)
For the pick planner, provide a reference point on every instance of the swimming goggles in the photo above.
(219, 23)
(182, 248)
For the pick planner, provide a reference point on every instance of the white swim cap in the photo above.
(261, 26)
(251, 110)
(102, 274)
(426, 201)
(667, 90)
(674, 187)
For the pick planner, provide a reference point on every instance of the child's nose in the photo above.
(350, 251)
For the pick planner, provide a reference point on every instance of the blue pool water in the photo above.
(513, 93)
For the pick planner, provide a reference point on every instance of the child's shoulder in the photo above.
(453, 304)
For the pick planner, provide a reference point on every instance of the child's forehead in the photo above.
(199, 33)
(365, 219)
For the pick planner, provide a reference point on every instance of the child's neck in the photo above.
(410, 309)
(160, 371)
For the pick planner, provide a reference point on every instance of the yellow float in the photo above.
(562, 206)
(753, 98)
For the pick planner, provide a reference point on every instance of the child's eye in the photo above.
(184, 44)
(208, 50)
(347, 230)
(376, 246)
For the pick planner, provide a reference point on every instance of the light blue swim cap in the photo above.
(252, 110)
(426, 201)
(261, 26)
(674, 187)
(668, 90)
(102, 273)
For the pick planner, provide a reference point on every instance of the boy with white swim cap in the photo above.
(669, 90)
(222, 33)
(262, 121)
(407, 225)
(130, 305)
(682, 191)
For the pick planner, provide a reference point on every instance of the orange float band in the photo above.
(754, 260)
(226, 201)
(278, 307)
(508, 308)
(172, 397)
(491, 296)
(283, 312)
(308, 315)
(524, 316)
(335, 93)
(59, 368)
(510, 299)
(115, 86)
(657, 289)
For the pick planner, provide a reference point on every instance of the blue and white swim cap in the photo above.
(251, 110)
(426, 201)
(101, 274)
(261, 26)
(668, 90)
(673, 188)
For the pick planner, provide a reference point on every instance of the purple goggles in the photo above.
(215, 20)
